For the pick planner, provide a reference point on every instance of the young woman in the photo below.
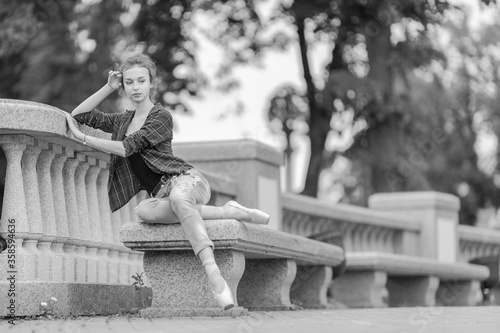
(142, 158)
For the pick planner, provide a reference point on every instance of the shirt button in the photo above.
(162, 186)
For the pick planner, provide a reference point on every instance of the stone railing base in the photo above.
(65, 299)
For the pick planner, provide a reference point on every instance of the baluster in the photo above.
(70, 196)
(348, 237)
(72, 261)
(389, 240)
(14, 202)
(34, 212)
(116, 223)
(103, 202)
(376, 239)
(93, 206)
(31, 191)
(49, 264)
(60, 262)
(58, 193)
(95, 234)
(123, 267)
(81, 197)
(357, 241)
(365, 238)
(113, 267)
(46, 196)
(103, 265)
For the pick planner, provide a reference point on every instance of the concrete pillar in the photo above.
(439, 217)
(254, 166)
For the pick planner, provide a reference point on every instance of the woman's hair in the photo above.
(145, 61)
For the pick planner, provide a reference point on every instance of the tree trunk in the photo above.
(318, 125)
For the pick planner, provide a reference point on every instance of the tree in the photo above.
(53, 50)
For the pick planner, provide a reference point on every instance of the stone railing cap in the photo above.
(397, 264)
(414, 200)
(349, 213)
(479, 235)
(43, 121)
(245, 149)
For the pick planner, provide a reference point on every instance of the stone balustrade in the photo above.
(363, 229)
(55, 196)
(477, 242)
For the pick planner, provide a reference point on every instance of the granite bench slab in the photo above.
(266, 269)
(376, 279)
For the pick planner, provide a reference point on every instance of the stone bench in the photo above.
(375, 279)
(265, 269)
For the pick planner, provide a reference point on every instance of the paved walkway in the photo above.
(397, 320)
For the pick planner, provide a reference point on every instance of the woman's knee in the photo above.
(156, 211)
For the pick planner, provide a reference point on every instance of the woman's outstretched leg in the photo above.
(159, 210)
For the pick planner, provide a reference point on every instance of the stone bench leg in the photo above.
(361, 289)
(266, 283)
(180, 287)
(310, 287)
(412, 291)
(460, 293)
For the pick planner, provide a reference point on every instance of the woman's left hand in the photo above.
(72, 126)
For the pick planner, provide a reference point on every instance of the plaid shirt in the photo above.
(153, 141)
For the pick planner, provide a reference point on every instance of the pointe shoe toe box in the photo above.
(254, 215)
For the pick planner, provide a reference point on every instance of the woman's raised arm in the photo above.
(114, 82)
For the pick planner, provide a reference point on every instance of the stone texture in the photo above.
(412, 281)
(265, 285)
(14, 204)
(361, 289)
(402, 265)
(253, 240)
(310, 287)
(267, 256)
(459, 293)
(180, 285)
(73, 298)
(412, 291)
(31, 192)
(44, 121)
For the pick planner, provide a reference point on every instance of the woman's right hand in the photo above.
(114, 79)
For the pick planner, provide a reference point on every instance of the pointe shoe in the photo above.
(225, 297)
(252, 215)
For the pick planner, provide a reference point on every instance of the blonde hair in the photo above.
(145, 61)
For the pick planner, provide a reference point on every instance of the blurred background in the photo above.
(362, 96)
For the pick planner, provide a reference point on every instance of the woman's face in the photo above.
(136, 83)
